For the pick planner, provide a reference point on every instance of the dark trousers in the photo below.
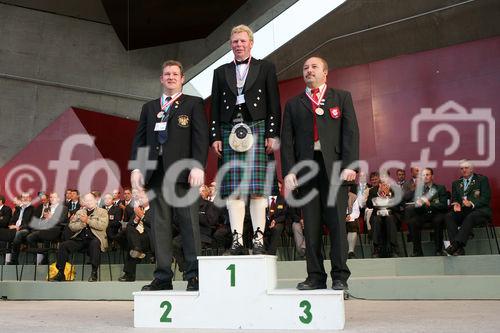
(138, 242)
(273, 237)
(161, 228)
(416, 219)
(7, 235)
(19, 238)
(315, 213)
(466, 220)
(43, 235)
(92, 245)
(384, 233)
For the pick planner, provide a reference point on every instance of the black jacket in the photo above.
(187, 134)
(339, 137)
(5, 216)
(478, 192)
(261, 96)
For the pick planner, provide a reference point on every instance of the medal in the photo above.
(321, 101)
(159, 115)
(319, 111)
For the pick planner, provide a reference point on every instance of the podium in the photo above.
(239, 292)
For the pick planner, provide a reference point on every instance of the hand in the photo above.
(273, 223)
(139, 212)
(467, 203)
(217, 146)
(348, 218)
(84, 218)
(291, 182)
(13, 226)
(456, 207)
(426, 201)
(418, 203)
(302, 223)
(272, 144)
(348, 175)
(196, 177)
(137, 180)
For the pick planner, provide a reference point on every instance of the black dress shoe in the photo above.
(258, 242)
(459, 252)
(311, 285)
(93, 276)
(158, 285)
(339, 285)
(126, 278)
(59, 277)
(351, 255)
(451, 249)
(193, 284)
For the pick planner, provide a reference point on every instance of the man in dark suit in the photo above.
(172, 128)
(127, 205)
(6, 234)
(470, 203)
(20, 222)
(429, 207)
(320, 127)
(245, 97)
(114, 217)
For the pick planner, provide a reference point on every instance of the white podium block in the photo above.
(240, 292)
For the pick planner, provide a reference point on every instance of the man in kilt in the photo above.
(244, 129)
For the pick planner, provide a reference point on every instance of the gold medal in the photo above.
(319, 111)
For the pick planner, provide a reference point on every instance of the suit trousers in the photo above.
(163, 215)
(317, 212)
(92, 245)
(136, 241)
(416, 219)
(384, 233)
(466, 220)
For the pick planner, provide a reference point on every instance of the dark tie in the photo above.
(242, 61)
(162, 135)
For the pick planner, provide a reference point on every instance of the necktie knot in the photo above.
(314, 91)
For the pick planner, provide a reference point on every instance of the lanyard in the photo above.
(321, 94)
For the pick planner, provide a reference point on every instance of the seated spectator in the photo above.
(5, 216)
(297, 221)
(429, 207)
(470, 203)
(127, 205)
(138, 237)
(374, 181)
(98, 198)
(44, 203)
(352, 224)
(276, 219)
(114, 217)
(74, 204)
(50, 226)
(89, 225)
(19, 226)
(380, 199)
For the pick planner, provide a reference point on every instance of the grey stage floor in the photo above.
(362, 316)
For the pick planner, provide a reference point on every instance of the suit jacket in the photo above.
(5, 216)
(339, 137)
(373, 193)
(73, 211)
(438, 200)
(478, 192)
(128, 213)
(98, 222)
(261, 96)
(115, 214)
(27, 215)
(58, 220)
(280, 212)
(187, 134)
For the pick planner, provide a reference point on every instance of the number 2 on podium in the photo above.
(232, 269)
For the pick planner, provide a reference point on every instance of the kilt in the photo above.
(245, 173)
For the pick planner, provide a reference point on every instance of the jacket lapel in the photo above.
(253, 73)
(230, 73)
(175, 107)
(305, 100)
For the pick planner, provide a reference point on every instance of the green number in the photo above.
(307, 311)
(232, 268)
(164, 318)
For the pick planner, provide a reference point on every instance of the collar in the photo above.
(308, 90)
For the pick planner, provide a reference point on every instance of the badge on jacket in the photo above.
(183, 121)
(335, 112)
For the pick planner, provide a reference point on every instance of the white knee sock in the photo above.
(351, 239)
(258, 214)
(236, 210)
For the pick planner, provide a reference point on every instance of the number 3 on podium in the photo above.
(307, 317)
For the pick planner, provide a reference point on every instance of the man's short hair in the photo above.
(76, 191)
(172, 63)
(430, 170)
(465, 163)
(374, 174)
(242, 28)
(323, 61)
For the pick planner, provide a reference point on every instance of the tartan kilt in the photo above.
(245, 173)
